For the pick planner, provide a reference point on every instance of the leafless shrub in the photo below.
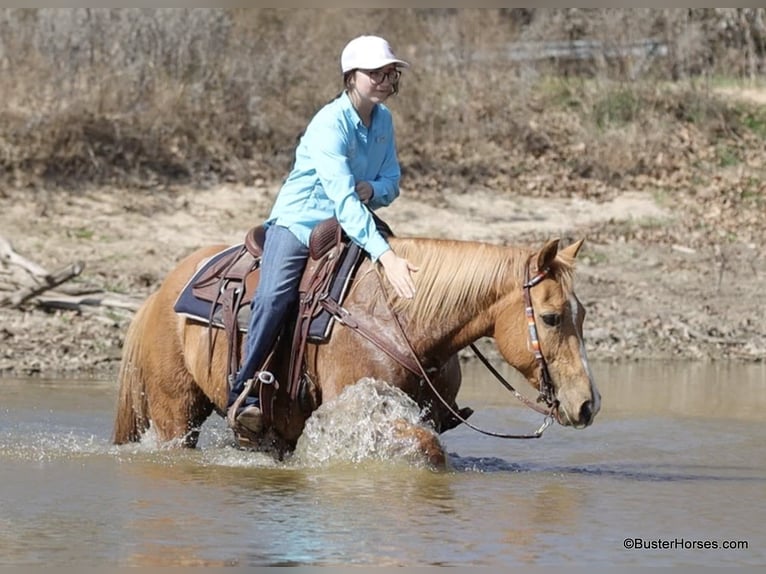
(148, 95)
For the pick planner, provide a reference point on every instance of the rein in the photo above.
(413, 364)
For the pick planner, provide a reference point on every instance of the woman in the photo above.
(345, 166)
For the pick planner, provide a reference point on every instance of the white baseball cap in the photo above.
(368, 53)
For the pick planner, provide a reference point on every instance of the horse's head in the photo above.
(547, 309)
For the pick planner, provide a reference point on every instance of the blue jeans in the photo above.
(282, 264)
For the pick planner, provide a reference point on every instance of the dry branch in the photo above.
(43, 290)
(75, 303)
(51, 280)
(8, 254)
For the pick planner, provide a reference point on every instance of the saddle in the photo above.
(220, 292)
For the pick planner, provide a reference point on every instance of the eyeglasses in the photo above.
(378, 76)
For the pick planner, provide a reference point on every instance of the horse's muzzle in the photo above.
(579, 416)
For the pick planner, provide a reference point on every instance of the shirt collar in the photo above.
(350, 111)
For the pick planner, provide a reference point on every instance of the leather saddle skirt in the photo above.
(225, 283)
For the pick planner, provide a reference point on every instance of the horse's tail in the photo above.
(132, 418)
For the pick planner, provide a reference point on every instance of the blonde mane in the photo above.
(465, 275)
(456, 274)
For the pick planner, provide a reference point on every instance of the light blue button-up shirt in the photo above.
(335, 152)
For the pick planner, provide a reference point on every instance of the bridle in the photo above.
(547, 393)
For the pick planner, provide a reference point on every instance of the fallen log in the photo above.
(8, 254)
(47, 288)
(79, 303)
(50, 281)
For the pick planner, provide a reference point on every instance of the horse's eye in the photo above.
(552, 319)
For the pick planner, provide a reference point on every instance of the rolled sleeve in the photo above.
(386, 186)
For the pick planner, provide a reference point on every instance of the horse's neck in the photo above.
(459, 285)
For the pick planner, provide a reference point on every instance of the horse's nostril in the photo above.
(585, 413)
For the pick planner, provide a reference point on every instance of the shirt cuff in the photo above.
(376, 246)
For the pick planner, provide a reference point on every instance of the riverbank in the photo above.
(652, 290)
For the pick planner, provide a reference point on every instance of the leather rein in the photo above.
(412, 363)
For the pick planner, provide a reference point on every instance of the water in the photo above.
(674, 459)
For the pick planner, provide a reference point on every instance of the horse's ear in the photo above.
(547, 254)
(570, 251)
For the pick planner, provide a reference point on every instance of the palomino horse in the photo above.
(171, 378)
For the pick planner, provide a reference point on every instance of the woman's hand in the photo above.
(364, 191)
(398, 272)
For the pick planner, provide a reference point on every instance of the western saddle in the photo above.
(228, 285)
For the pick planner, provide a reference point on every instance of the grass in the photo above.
(736, 83)
(754, 119)
(561, 92)
(662, 197)
(83, 233)
(727, 155)
(617, 107)
(754, 192)
(650, 223)
(594, 257)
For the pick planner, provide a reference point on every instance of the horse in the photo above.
(173, 370)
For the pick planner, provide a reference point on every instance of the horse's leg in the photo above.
(176, 405)
(179, 404)
(426, 441)
(157, 388)
(177, 411)
(448, 381)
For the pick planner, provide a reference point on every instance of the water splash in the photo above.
(359, 425)
(216, 448)
(43, 447)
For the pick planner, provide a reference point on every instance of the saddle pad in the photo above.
(188, 305)
(320, 327)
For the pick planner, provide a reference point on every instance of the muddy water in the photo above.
(675, 462)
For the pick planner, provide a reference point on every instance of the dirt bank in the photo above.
(649, 295)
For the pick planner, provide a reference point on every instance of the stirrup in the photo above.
(243, 433)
